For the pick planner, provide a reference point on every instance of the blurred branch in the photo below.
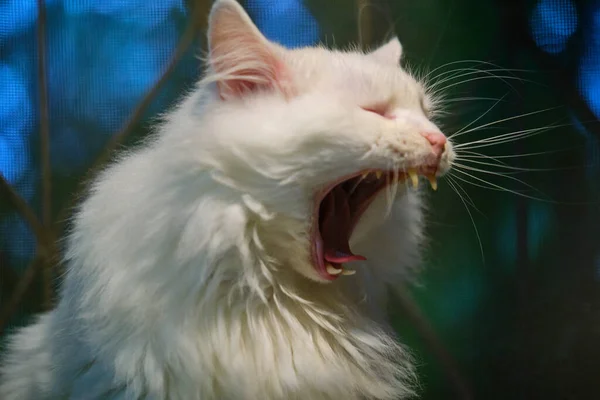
(8, 278)
(365, 21)
(23, 209)
(190, 33)
(44, 144)
(427, 333)
(197, 22)
(9, 309)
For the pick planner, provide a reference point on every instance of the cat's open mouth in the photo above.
(339, 208)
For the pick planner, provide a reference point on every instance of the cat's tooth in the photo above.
(348, 272)
(433, 182)
(363, 176)
(333, 270)
(378, 174)
(412, 173)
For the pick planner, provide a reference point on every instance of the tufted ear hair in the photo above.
(389, 53)
(242, 59)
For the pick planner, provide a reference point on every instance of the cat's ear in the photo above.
(389, 53)
(241, 58)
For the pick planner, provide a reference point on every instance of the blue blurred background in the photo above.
(523, 318)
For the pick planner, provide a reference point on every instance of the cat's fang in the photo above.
(348, 272)
(378, 174)
(433, 182)
(412, 173)
(333, 270)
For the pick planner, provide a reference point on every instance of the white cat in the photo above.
(214, 261)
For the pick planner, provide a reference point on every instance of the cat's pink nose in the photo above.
(437, 140)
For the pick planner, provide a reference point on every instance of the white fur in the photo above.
(189, 268)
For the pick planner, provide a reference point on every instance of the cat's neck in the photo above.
(316, 330)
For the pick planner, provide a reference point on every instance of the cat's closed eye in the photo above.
(379, 110)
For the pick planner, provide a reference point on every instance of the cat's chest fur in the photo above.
(300, 342)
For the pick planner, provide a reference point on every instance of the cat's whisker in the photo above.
(464, 192)
(494, 141)
(439, 93)
(500, 77)
(462, 154)
(476, 69)
(431, 72)
(477, 62)
(462, 167)
(503, 172)
(460, 131)
(506, 138)
(461, 99)
(491, 186)
(450, 183)
(463, 72)
(502, 188)
(471, 72)
(472, 220)
(510, 167)
(477, 128)
(513, 134)
(473, 154)
(463, 179)
(449, 75)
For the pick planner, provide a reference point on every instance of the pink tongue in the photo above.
(339, 257)
(335, 228)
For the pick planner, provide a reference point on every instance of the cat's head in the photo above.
(313, 135)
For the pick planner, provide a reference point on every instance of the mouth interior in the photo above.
(339, 212)
(340, 209)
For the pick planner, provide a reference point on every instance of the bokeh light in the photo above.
(16, 17)
(15, 123)
(589, 66)
(287, 22)
(137, 14)
(592, 148)
(552, 24)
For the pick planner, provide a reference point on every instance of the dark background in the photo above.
(511, 285)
